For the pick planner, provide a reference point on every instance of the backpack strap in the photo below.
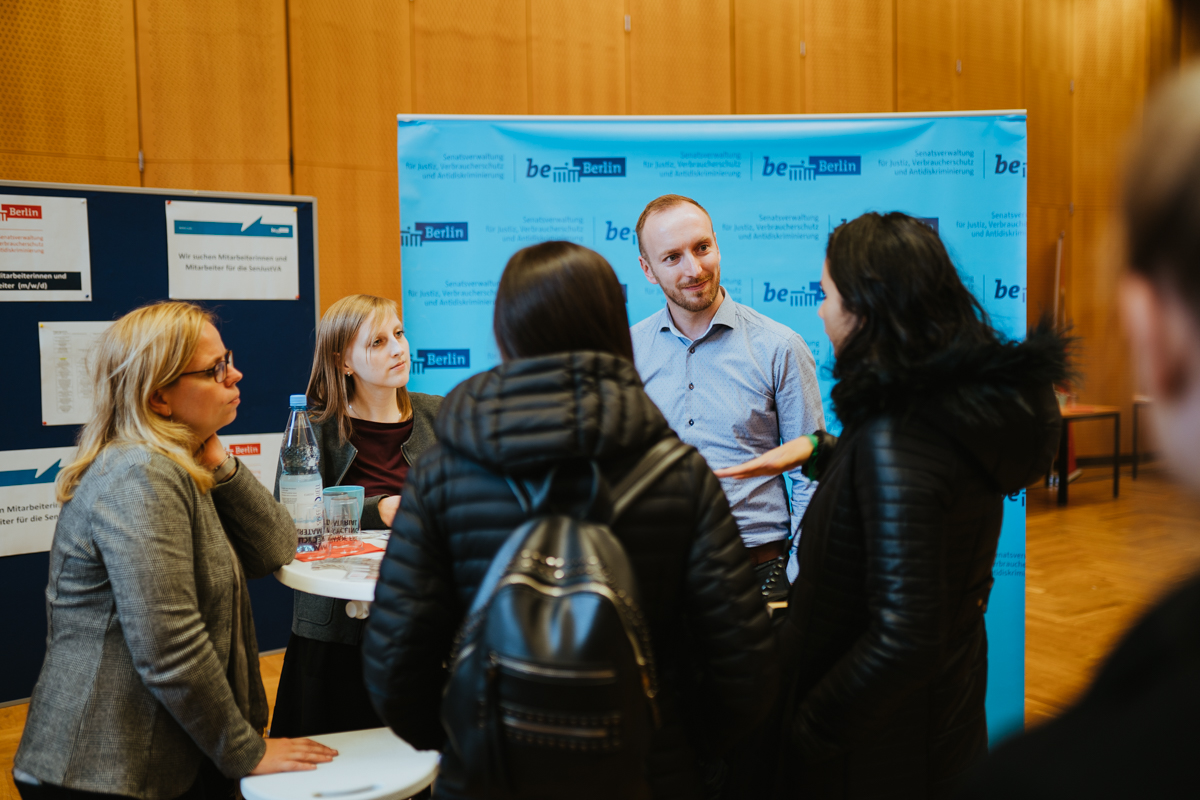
(645, 473)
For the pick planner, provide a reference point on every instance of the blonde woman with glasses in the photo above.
(369, 428)
(150, 688)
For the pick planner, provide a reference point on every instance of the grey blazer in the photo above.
(134, 691)
(324, 618)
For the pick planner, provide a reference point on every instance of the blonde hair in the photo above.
(330, 390)
(142, 352)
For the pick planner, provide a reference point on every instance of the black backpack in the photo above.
(552, 684)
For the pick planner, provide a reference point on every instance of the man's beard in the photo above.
(696, 302)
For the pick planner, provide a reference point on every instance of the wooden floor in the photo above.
(1092, 569)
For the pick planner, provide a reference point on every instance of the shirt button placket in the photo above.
(688, 374)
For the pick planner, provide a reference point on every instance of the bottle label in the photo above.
(301, 495)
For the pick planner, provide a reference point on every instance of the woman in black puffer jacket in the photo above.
(567, 393)
(884, 648)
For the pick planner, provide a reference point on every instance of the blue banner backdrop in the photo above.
(473, 190)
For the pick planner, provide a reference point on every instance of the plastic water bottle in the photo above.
(300, 478)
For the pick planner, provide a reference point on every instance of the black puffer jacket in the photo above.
(708, 626)
(885, 653)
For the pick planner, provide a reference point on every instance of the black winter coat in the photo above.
(710, 633)
(884, 647)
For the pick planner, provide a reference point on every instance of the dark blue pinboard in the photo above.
(273, 340)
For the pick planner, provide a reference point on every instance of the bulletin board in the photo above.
(273, 344)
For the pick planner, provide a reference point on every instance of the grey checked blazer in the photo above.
(134, 692)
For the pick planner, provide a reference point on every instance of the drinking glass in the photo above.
(341, 525)
(356, 491)
(310, 530)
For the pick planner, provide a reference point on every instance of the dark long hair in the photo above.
(556, 297)
(915, 316)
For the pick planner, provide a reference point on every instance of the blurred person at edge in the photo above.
(567, 394)
(1133, 733)
(369, 429)
(884, 651)
(730, 381)
(150, 688)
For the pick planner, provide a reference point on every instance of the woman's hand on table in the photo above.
(292, 755)
(388, 507)
(784, 458)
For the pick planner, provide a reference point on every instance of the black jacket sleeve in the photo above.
(899, 488)
(728, 616)
(412, 623)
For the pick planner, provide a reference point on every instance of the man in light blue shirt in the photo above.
(730, 381)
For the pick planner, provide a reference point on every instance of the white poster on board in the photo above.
(232, 251)
(66, 348)
(29, 510)
(258, 451)
(44, 252)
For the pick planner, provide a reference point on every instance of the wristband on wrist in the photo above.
(225, 469)
(810, 467)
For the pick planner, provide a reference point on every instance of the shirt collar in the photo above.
(726, 315)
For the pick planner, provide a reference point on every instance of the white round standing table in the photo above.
(346, 578)
(374, 764)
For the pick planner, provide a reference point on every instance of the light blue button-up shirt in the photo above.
(743, 387)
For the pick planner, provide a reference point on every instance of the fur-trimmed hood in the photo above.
(996, 400)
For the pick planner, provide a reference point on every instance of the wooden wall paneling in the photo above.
(1048, 46)
(1045, 222)
(768, 66)
(214, 93)
(470, 57)
(68, 90)
(1092, 300)
(359, 214)
(1163, 40)
(926, 49)
(1110, 81)
(351, 76)
(1051, 129)
(850, 64)
(577, 57)
(680, 57)
(991, 44)
(1049, 99)
(1110, 58)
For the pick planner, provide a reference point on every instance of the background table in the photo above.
(1078, 413)
(346, 578)
(1139, 400)
(373, 764)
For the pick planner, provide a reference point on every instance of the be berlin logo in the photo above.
(423, 233)
(576, 169)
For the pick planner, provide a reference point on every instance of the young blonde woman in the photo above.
(150, 688)
(369, 428)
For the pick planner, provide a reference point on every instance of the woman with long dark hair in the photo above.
(567, 399)
(884, 648)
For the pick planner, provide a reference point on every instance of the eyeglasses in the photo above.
(219, 371)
